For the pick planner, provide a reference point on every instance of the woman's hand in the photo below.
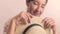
(23, 17)
(50, 24)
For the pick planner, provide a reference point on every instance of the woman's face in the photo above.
(36, 7)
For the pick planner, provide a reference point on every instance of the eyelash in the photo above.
(35, 3)
(42, 6)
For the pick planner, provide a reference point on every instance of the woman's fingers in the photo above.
(30, 15)
(26, 17)
(23, 17)
(48, 22)
(45, 22)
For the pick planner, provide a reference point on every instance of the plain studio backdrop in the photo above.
(10, 8)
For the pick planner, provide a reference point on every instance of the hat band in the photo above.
(24, 32)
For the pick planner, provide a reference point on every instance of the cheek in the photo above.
(41, 10)
(35, 7)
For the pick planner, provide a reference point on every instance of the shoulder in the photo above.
(21, 12)
(6, 26)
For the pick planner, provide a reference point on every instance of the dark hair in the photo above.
(46, 1)
(28, 1)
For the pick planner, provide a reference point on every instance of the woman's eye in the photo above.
(42, 6)
(35, 3)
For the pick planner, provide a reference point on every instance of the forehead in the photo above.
(41, 1)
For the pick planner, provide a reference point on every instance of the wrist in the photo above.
(54, 30)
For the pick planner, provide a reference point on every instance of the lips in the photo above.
(35, 11)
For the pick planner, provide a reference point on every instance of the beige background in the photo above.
(10, 8)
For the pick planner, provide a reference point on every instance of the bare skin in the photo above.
(35, 8)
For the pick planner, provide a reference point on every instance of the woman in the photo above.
(34, 8)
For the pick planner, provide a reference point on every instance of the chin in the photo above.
(37, 14)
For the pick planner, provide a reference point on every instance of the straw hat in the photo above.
(35, 27)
